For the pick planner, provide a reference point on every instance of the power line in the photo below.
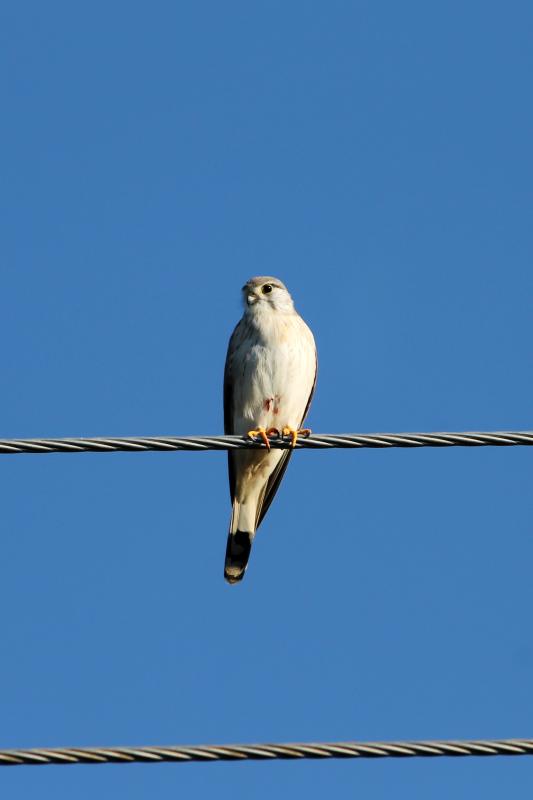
(317, 441)
(265, 752)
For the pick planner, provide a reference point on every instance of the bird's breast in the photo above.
(277, 375)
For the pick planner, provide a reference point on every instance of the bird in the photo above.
(269, 382)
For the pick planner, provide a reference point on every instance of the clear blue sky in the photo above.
(376, 156)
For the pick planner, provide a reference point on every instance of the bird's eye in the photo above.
(267, 288)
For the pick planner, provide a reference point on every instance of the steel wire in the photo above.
(316, 441)
(265, 752)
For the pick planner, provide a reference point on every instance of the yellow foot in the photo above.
(264, 434)
(273, 432)
(294, 434)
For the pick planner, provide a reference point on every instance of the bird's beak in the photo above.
(251, 299)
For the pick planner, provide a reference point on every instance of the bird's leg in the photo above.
(287, 431)
(273, 432)
(263, 434)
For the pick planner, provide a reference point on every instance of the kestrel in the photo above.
(269, 381)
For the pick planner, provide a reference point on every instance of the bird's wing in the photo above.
(228, 401)
(313, 387)
(272, 486)
(275, 479)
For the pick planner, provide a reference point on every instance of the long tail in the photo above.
(240, 537)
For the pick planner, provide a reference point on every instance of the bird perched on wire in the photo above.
(269, 381)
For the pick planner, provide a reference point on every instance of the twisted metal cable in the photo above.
(317, 441)
(265, 752)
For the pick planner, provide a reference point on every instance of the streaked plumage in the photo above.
(269, 382)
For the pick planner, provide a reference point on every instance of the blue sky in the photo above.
(376, 156)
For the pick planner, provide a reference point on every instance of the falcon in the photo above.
(269, 381)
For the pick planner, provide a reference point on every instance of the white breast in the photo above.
(273, 372)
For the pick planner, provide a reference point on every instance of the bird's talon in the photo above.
(263, 434)
(273, 432)
(294, 434)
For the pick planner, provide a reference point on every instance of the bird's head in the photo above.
(266, 293)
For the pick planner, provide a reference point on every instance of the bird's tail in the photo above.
(240, 537)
